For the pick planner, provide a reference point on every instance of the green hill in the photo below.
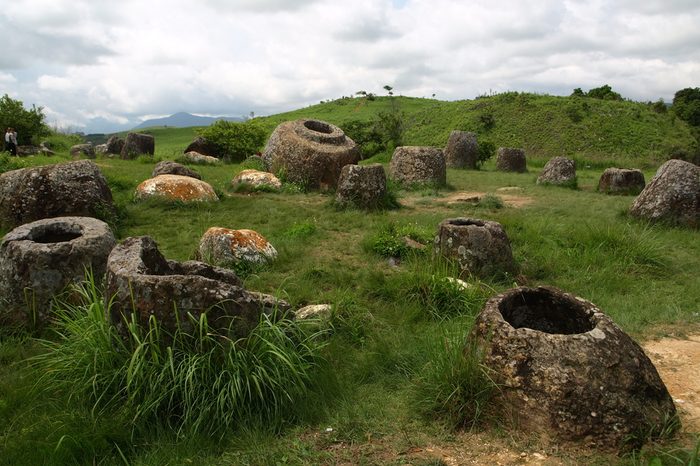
(599, 132)
(594, 132)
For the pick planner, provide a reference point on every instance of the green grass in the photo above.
(395, 379)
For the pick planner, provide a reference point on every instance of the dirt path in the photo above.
(678, 363)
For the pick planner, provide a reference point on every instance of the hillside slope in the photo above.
(590, 130)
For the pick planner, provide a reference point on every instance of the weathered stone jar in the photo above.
(39, 259)
(362, 186)
(621, 181)
(509, 159)
(310, 152)
(480, 247)
(564, 369)
(462, 150)
(140, 281)
(418, 165)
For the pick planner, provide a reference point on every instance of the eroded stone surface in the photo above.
(65, 189)
(558, 170)
(86, 150)
(621, 181)
(226, 247)
(115, 144)
(137, 144)
(166, 167)
(673, 195)
(142, 282)
(196, 157)
(314, 311)
(310, 152)
(462, 150)
(510, 159)
(418, 165)
(176, 188)
(363, 186)
(480, 247)
(255, 179)
(566, 370)
(41, 258)
(202, 146)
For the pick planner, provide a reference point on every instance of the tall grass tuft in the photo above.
(197, 383)
(454, 384)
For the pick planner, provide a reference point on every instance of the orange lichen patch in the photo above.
(176, 188)
(256, 178)
(227, 247)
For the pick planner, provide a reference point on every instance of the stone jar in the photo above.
(565, 370)
(673, 195)
(558, 171)
(480, 247)
(142, 283)
(621, 181)
(362, 186)
(462, 150)
(40, 259)
(310, 153)
(418, 165)
(509, 159)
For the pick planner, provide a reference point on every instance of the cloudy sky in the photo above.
(98, 65)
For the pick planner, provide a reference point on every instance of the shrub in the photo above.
(29, 124)
(487, 121)
(390, 241)
(486, 150)
(199, 382)
(367, 134)
(235, 140)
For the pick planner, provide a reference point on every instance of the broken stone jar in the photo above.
(480, 247)
(564, 369)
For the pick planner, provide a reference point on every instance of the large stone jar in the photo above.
(510, 159)
(480, 247)
(64, 189)
(310, 152)
(564, 369)
(418, 165)
(621, 181)
(41, 258)
(673, 195)
(362, 186)
(462, 150)
(142, 283)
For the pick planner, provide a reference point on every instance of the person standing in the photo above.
(11, 141)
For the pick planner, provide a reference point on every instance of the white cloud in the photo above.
(108, 61)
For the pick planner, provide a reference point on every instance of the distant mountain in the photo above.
(184, 120)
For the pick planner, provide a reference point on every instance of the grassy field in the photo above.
(395, 331)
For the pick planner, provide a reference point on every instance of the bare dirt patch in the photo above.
(678, 363)
(510, 199)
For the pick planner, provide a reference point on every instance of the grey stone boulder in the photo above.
(480, 247)
(250, 180)
(362, 186)
(621, 181)
(311, 153)
(40, 259)
(558, 171)
(672, 195)
(167, 167)
(418, 165)
(462, 150)
(200, 159)
(137, 144)
(87, 150)
(204, 147)
(142, 283)
(65, 189)
(566, 371)
(509, 159)
(101, 149)
(115, 144)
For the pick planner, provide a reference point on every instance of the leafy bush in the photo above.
(487, 121)
(487, 149)
(603, 92)
(390, 241)
(29, 124)
(367, 135)
(686, 104)
(61, 142)
(254, 163)
(235, 140)
(199, 383)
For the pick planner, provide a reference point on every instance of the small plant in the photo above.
(491, 202)
(486, 150)
(400, 242)
(254, 163)
(487, 121)
(301, 230)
